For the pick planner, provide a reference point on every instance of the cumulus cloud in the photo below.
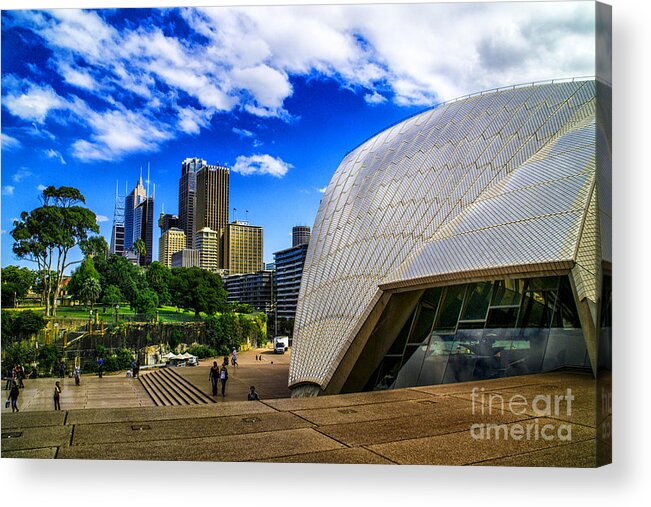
(237, 59)
(261, 164)
(101, 218)
(55, 154)
(41, 187)
(10, 143)
(8, 190)
(21, 174)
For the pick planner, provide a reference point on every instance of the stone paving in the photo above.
(422, 425)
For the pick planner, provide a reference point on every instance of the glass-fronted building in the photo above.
(468, 242)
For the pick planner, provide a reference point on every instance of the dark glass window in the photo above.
(432, 296)
(567, 305)
(507, 293)
(536, 310)
(387, 372)
(477, 301)
(502, 317)
(423, 326)
(450, 307)
(545, 283)
(606, 302)
(399, 344)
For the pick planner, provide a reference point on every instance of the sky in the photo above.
(277, 94)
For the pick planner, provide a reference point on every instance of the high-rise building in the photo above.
(251, 288)
(206, 241)
(287, 279)
(187, 195)
(131, 202)
(186, 258)
(211, 204)
(245, 248)
(167, 221)
(117, 232)
(170, 242)
(300, 235)
(144, 228)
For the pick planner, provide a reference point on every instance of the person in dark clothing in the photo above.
(100, 367)
(57, 395)
(34, 373)
(13, 396)
(252, 396)
(62, 370)
(20, 374)
(223, 376)
(136, 368)
(214, 377)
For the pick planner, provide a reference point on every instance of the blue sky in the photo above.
(278, 94)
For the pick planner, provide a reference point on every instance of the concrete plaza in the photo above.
(420, 425)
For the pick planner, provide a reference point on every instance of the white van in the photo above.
(281, 344)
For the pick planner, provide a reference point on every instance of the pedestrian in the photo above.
(136, 369)
(13, 396)
(225, 363)
(252, 396)
(214, 377)
(57, 395)
(34, 373)
(234, 359)
(223, 376)
(100, 367)
(20, 374)
(76, 375)
(62, 370)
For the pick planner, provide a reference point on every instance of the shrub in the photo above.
(203, 351)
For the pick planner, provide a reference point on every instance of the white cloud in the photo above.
(101, 218)
(8, 190)
(261, 164)
(55, 154)
(41, 187)
(21, 174)
(243, 132)
(33, 103)
(10, 143)
(374, 98)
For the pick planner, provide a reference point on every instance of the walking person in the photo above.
(62, 370)
(13, 396)
(213, 376)
(234, 359)
(223, 376)
(136, 368)
(100, 367)
(20, 373)
(57, 396)
(76, 375)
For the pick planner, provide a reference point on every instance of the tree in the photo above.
(90, 291)
(198, 290)
(95, 246)
(79, 283)
(16, 281)
(140, 248)
(118, 271)
(47, 234)
(146, 302)
(112, 296)
(21, 325)
(158, 278)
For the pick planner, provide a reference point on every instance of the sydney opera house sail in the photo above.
(470, 241)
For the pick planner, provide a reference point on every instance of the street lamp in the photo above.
(117, 307)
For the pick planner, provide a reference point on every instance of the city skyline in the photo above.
(279, 108)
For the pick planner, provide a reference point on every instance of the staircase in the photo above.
(166, 388)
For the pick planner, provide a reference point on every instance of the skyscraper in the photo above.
(170, 242)
(117, 232)
(300, 235)
(187, 194)
(132, 200)
(287, 279)
(211, 204)
(244, 248)
(207, 243)
(144, 228)
(167, 221)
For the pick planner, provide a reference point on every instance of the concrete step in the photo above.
(166, 387)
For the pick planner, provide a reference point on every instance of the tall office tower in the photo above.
(244, 243)
(287, 280)
(170, 242)
(251, 288)
(167, 221)
(117, 232)
(300, 235)
(211, 204)
(187, 194)
(131, 201)
(206, 241)
(144, 228)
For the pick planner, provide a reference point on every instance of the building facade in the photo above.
(254, 289)
(211, 203)
(187, 195)
(245, 248)
(186, 258)
(471, 241)
(131, 202)
(170, 242)
(144, 228)
(300, 235)
(206, 242)
(287, 279)
(168, 221)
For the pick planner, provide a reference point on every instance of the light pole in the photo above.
(117, 307)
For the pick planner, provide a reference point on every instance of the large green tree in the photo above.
(198, 290)
(79, 284)
(95, 246)
(158, 278)
(16, 281)
(47, 234)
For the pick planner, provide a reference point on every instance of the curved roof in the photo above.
(494, 184)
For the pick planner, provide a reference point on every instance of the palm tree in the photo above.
(140, 248)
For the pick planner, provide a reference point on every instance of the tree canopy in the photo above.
(198, 290)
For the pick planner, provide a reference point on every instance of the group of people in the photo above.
(15, 383)
(219, 375)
